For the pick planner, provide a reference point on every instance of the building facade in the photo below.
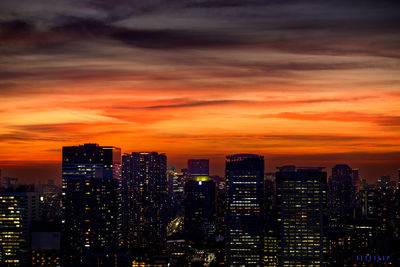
(301, 204)
(146, 176)
(91, 204)
(18, 210)
(244, 212)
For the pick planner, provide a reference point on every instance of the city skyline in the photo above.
(133, 210)
(310, 83)
(41, 173)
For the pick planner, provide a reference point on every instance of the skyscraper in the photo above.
(341, 194)
(244, 212)
(198, 167)
(146, 173)
(200, 210)
(91, 200)
(301, 202)
(176, 189)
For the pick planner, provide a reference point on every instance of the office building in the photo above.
(18, 209)
(244, 212)
(91, 204)
(301, 204)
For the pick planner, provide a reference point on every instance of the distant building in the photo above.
(9, 182)
(146, 173)
(18, 209)
(198, 167)
(355, 178)
(301, 201)
(341, 193)
(244, 212)
(91, 202)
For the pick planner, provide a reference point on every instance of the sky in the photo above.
(302, 82)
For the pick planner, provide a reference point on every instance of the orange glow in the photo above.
(200, 81)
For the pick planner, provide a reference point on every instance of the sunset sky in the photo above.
(301, 82)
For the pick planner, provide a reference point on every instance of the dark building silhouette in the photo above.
(341, 195)
(301, 203)
(198, 167)
(146, 176)
(244, 212)
(355, 178)
(91, 200)
(200, 211)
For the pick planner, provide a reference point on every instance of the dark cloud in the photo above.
(175, 39)
(306, 27)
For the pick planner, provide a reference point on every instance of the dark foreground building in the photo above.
(200, 211)
(244, 212)
(91, 225)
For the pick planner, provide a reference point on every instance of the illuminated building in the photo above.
(178, 185)
(177, 250)
(91, 230)
(176, 189)
(270, 248)
(244, 212)
(17, 211)
(198, 167)
(200, 210)
(147, 175)
(301, 203)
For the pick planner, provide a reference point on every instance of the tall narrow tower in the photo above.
(146, 173)
(244, 213)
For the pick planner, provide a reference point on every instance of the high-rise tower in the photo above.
(200, 210)
(91, 203)
(146, 173)
(244, 212)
